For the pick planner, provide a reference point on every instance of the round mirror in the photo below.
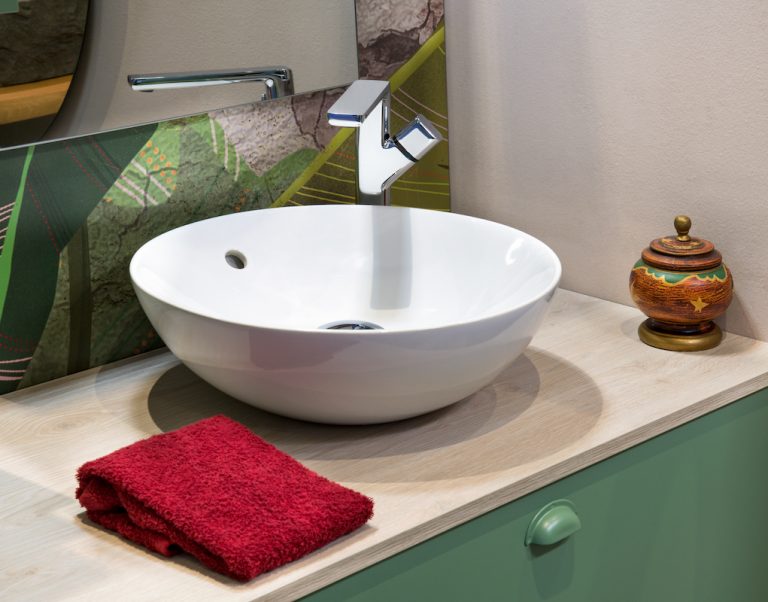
(40, 42)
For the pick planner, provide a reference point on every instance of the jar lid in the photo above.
(682, 253)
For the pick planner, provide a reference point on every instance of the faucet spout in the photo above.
(381, 157)
(358, 101)
(278, 80)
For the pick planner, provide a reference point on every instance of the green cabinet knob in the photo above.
(553, 523)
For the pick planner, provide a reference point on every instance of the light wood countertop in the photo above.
(584, 390)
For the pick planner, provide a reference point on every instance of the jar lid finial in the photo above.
(683, 226)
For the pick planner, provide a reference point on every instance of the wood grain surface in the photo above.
(584, 390)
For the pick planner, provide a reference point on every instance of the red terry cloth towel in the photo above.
(222, 494)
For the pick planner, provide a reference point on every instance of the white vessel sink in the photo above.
(247, 301)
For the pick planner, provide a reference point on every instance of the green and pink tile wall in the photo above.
(73, 212)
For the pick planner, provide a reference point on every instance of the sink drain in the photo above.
(351, 325)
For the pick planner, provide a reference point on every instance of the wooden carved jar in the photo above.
(681, 284)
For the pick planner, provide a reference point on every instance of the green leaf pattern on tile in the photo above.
(178, 175)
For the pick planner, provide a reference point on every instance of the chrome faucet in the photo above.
(278, 80)
(381, 158)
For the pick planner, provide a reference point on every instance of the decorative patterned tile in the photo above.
(73, 212)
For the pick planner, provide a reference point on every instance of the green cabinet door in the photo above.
(682, 517)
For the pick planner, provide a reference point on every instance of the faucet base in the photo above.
(373, 199)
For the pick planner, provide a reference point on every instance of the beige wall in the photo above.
(315, 39)
(591, 123)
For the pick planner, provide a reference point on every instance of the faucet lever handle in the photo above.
(357, 102)
(417, 138)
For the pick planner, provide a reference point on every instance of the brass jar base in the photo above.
(670, 341)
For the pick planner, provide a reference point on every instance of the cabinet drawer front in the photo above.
(682, 517)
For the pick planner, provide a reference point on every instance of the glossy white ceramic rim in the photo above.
(545, 292)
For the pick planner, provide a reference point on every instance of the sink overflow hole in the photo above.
(236, 259)
(351, 325)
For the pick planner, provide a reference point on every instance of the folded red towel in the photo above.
(219, 492)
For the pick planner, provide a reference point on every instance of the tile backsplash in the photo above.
(73, 212)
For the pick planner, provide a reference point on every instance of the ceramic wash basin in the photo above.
(346, 314)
